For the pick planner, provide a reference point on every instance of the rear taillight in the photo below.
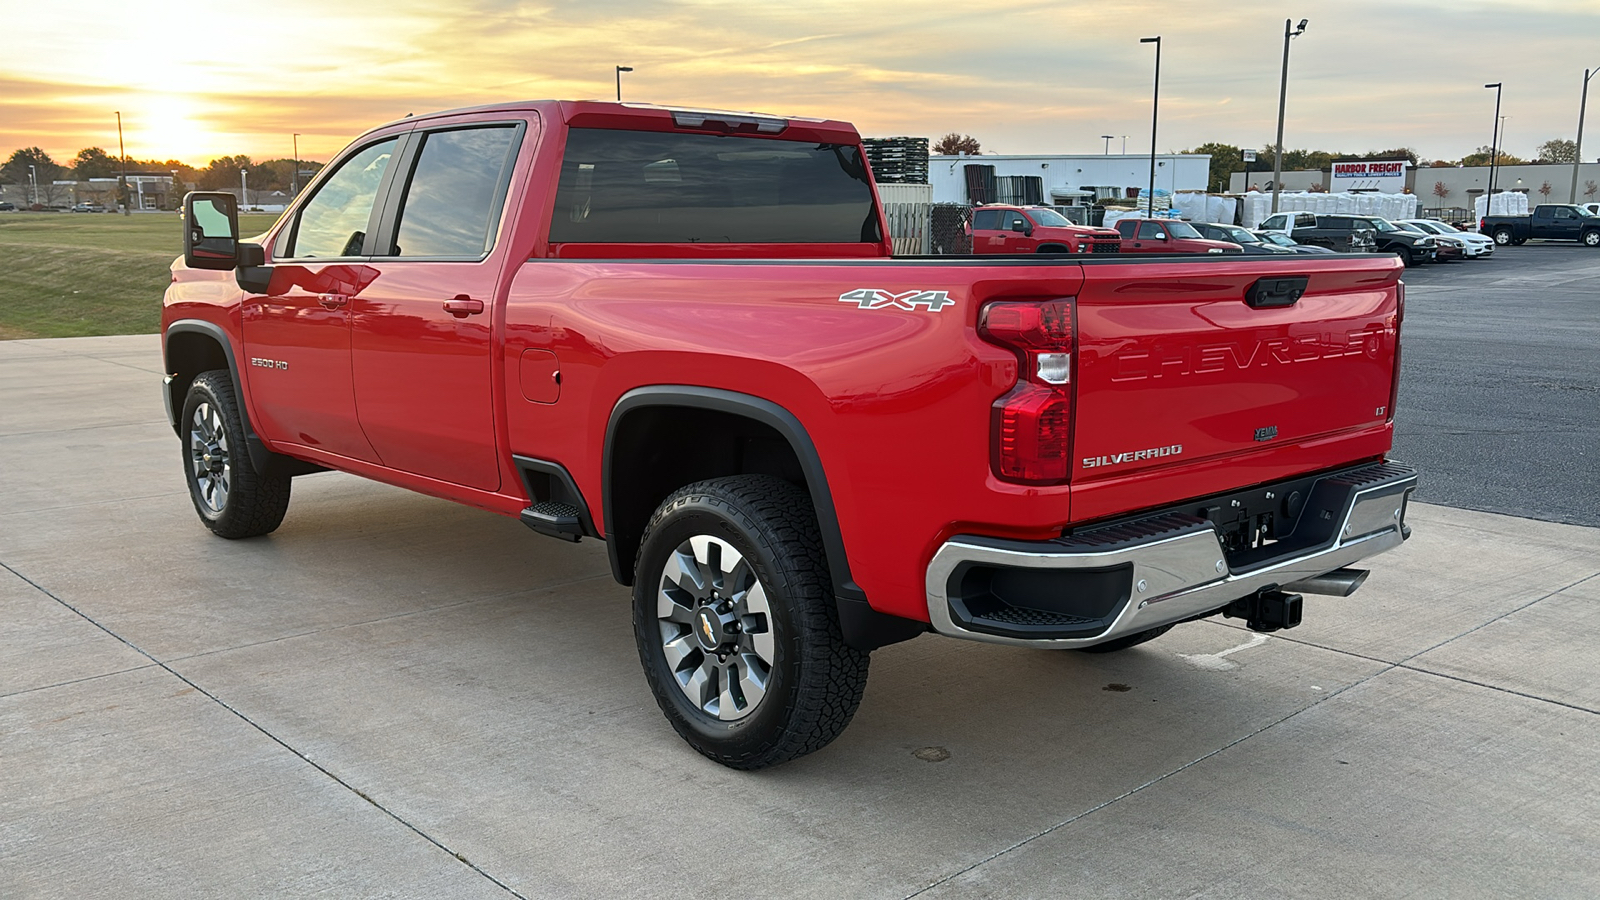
(1032, 424)
(1399, 318)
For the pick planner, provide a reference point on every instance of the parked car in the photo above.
(7, 206)
(1474, 246)
(1549, 221)
(1036, 229)
(1279, 239)
(89, 208)
(1246, 240)
(1354, 233)
(681, 332)
(1592, 208)
(1167, 236)
(1445, 249)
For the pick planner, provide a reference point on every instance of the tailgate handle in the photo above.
(1271, 293)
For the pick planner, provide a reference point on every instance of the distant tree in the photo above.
(1544, 191)
(93, 162)
(1480, 157)
(1440, 191)
(1590, 189)
(953, 144)
(1405, 153)
(1226, 159)
(1558, 151)
(45, 169)
(1442, 164)
(223, 173)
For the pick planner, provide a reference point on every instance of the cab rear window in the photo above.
(631, 187)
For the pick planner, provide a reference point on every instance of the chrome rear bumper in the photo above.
(1163, 568)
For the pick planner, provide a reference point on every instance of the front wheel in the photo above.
(1406, 257)
(1591, 238)
(734, 614)
(1502, 236)
(232, 498)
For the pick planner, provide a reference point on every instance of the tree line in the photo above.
(94, 162)
(1227, 159)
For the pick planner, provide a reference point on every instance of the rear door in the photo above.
(422, 332)
(1176, 371)
(986, 234)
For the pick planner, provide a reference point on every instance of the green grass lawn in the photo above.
(78, 274)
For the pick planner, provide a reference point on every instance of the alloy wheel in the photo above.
(716, 627)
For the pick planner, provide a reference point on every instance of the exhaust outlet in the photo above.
(1338, 583)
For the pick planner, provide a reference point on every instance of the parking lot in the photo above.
(396, 696)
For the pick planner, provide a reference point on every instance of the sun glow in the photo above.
(167, 128)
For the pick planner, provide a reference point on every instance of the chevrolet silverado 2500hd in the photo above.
(680, 332)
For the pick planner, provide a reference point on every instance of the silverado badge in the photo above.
(877, 298)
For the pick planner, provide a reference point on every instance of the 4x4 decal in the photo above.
(877, 298)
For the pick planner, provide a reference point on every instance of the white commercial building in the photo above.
(1059, 180)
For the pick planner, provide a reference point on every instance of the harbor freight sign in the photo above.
(1385, 175)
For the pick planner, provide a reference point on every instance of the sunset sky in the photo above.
(198, 80)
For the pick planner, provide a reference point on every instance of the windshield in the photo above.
(1443, 228)
(1383, 225)
(1238, 235)
(1181, 230)
(1413, 227)
(1279, 238)
(1048, 218)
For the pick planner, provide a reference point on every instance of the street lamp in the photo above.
(243, 195)
(33, 176)
(1577, 149)
(1155, 97)
(1108, 138)
(1494, 149)
(122, 182)
(294, 177)
(1283, 97)
(620, 70)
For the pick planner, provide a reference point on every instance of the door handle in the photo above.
(462, 306)
(333, 301)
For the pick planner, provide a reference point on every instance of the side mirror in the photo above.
(210, 230)
(1161, 235)
(1022, 228)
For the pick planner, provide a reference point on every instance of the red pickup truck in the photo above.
(1167, 236)
(679, 331)
(1036, 229)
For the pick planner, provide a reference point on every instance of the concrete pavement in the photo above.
(393, 696)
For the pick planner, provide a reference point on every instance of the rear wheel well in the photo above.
(657, 449)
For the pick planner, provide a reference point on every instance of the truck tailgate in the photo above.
(1184, 388)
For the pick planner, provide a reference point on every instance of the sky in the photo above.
(194, 80)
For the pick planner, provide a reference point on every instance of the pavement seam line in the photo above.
(269, 735)
(72, 681)
(1388, 667)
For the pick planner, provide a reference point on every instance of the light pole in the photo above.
(244, 196)
(1155, 98)
(1577, 149)
(1108, 143)
(1124, 145)
(122, 181)
(1494, 147)
(174, 189)
(33, 176)
(294, 177)
(620, 70)
(1283, 97)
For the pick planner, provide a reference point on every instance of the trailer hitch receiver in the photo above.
(1268, 609)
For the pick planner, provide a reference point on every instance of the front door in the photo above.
(423, 330)
(297, 335)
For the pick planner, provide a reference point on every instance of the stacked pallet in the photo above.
(898, 160)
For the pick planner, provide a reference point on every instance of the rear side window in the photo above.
(986, 219)
(333, 223)
(456, 193)
(631, 187)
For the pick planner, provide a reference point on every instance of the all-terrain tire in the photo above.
(232, 498)
(740, 560)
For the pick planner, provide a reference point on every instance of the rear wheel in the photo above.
(736, 623)
(232, 498)
(1502, 236)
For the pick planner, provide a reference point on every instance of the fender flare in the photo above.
(863, 627)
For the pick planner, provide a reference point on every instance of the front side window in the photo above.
(1563, 213)
(1012, 219)
(457, 190)
(656, 187)
(333, 223)
(1150, 231)
(1275, 222)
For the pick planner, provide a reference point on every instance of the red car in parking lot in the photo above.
(1167, 236)
(1036, 229)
